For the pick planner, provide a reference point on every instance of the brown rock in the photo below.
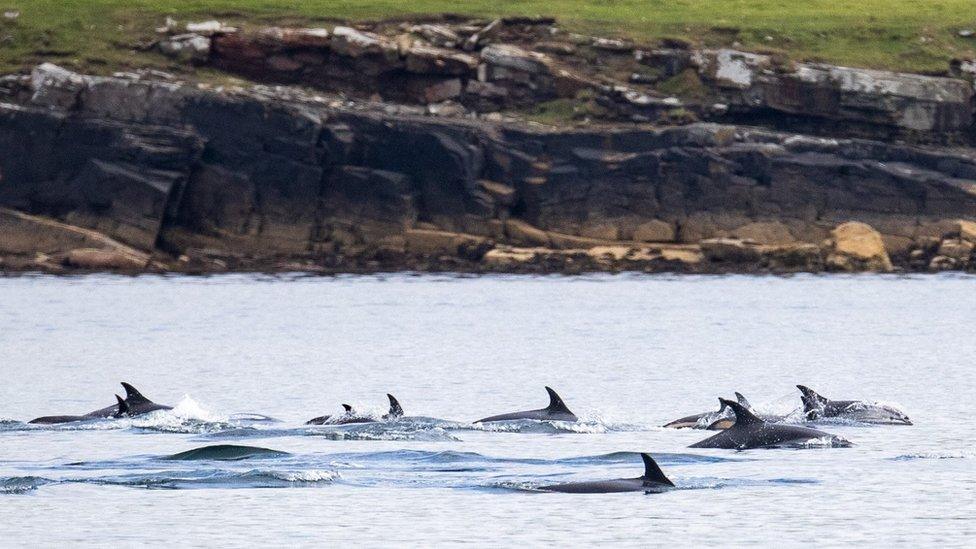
(100, 260)
(967, 230)
(429, 242)
(600, 231)
(943, 263)
(856, 246)
(654, 231)
(500, 193)
(765, 232)
(805, 257)
(520, 232)
(957, 248)
(731, 250)
(508, 256)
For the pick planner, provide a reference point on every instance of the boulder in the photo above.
(432, 242)
(91, 259)
(730, 68)
(189, 47)
(55, 87)
(967, 230)
(957, 248)
(654, 231)
(856, 246)
(209, 28)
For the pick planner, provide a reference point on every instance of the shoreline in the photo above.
(391, 147)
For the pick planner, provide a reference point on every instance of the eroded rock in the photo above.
(856, 246)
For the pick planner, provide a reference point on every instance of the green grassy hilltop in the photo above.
(907, 35)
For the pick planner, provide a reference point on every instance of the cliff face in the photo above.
(276, 179)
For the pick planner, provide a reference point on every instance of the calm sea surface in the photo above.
(627, 354)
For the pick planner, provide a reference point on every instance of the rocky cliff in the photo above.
(140, 173)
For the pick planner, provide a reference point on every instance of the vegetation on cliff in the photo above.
(905, 35)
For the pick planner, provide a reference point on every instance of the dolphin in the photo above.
(135, 404)
(350, 416)
(711, 421)
(139, 404)
(653, 480)
(751, 431)
(556, 411)
(121, 409)
(816, 407)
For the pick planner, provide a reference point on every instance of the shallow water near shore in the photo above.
(627, 353)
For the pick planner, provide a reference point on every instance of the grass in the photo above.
(906, 35)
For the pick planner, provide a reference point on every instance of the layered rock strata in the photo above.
(277, 179)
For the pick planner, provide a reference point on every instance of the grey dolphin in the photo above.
(350, 416)
(653, 480)
(816, 407)
(121, 409)
(556, 411)
(751, 431)
(139, 404)
(712, 421)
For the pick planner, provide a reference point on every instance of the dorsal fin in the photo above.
(556, 403)
(742, 414)
(812, 402)
(133, 396)
(652, 472)
(395, 409)
(123, 409)
(347, 407)
(742, 400)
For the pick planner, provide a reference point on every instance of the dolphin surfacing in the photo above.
(712, 421)
(653, 480)
(817, 407)
(350, 416)
(127, 407)
(750, 431)
(556, 411)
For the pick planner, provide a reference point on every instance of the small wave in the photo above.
(964, 454)
(537, 427)
(714, 483)
(21, 485)
(226, 452)
(255, 478)
(398, 430)
(11, 425)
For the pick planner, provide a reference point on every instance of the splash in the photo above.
(21, 485)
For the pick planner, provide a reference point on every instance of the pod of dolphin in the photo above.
(740, 428)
